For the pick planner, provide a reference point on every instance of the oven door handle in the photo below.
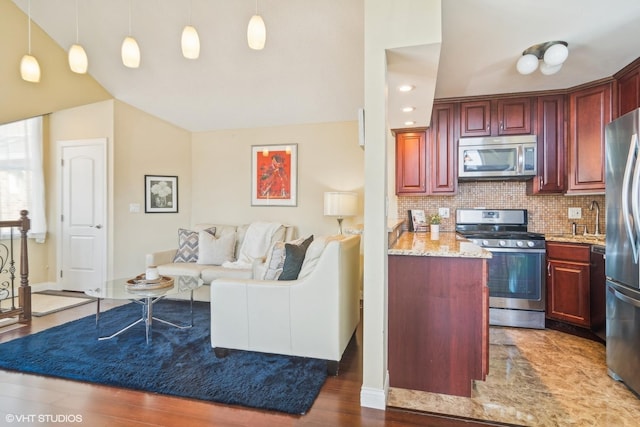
(517, 250)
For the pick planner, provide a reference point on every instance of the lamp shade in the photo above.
(78, 61)
(556, 54)
(190, 43)
(340, 204)
(30, 69)
(130, 52)
(256, 33)
(527, 64)
(547, 69)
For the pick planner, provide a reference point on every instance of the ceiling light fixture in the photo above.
(409, 123)
(78, 61)
(190, 40)
(405, 88)
(553, 54)
(408, 109)
(29, 67)
(130, 50)
(256, 31)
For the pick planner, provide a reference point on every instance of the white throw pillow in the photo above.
(215, 251)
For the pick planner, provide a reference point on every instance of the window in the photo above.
(21, 174)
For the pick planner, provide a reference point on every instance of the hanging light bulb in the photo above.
(190, 40)
(29, 67)
(256, 31)
(78, 61)
(190, 43)
(130, 51)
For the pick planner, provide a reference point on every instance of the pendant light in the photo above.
(78, 61)
(29, 67)
(256, 31)
(130, 50)
(190, 40)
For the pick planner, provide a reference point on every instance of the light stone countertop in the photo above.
(448, 245)
(589, 239)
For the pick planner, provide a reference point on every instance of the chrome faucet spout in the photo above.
(594, 203)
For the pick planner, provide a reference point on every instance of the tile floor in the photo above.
(537, 378)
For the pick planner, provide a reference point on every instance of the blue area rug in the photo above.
(176, 362)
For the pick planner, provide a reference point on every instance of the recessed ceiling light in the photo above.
(406, 88)
(409, 123)
(408, 109)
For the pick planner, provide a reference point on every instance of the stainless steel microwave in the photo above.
(497, 158)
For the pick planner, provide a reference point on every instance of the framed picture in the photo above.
(417, 220)
(160, 194)
(274, 175)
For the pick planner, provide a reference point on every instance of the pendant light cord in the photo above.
(29, 25)
(77, 25)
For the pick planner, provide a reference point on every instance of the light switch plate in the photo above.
(575, 213)
(134, 207)
(443, 212)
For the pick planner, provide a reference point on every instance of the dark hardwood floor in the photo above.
(57, 400)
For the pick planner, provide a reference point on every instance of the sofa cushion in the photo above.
(293, 259)
(188, 245)
(215, 251)
(213, 272)
(181, 269)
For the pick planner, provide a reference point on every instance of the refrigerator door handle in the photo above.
(624, 297)
(631, 168)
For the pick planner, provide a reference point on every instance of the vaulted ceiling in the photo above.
(312, 68)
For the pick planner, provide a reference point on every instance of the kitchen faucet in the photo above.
(594, 203)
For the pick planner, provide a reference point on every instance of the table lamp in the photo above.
(340, 204)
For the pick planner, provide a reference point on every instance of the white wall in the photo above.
(329, 158)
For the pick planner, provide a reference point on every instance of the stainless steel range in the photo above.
(516, 270)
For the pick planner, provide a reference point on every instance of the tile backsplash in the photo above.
(547, 214)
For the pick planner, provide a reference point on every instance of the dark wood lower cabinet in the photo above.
(438, 323)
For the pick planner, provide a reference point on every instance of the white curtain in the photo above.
(22, 185)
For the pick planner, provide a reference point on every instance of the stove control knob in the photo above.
(502, 243)
(531, 244)
(520, 243)
(485, 243)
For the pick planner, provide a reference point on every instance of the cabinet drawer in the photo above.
(568, 252)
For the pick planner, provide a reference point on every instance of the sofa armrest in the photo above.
(160, 258)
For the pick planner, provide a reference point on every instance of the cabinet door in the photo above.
(475, 118)
(568, 292)
(411, 157)
(514, 116)
(442, 150)
(589, 112)
(551, 147)
(629, 92)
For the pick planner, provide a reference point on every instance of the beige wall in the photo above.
(329, 158)
(146, 145)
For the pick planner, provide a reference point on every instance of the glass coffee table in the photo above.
(121, 289)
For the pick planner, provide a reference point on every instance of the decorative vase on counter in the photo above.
(435, 231)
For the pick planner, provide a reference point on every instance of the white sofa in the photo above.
(313, 316)
(208, 272)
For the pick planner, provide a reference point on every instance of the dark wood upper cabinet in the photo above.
(441, 140)
(589, 113)
(514, 116)
(550, 125)
(411, 159)
(475, 118)
(504, 116)
(628, 88)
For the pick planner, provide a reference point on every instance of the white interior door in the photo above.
(83, 248)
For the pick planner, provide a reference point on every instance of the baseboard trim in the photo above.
(374, 397)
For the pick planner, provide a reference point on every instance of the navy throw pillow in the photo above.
(293, 259)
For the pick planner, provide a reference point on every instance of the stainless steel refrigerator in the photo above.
(622, 142)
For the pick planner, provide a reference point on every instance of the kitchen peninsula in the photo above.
(438, 313)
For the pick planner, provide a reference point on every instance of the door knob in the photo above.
(99, 226)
